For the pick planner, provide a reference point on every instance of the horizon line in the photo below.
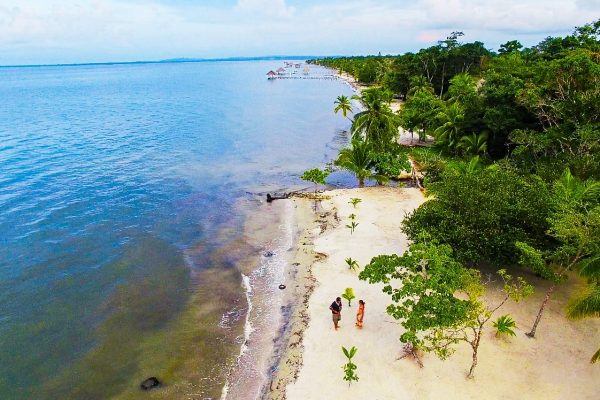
(172, 61)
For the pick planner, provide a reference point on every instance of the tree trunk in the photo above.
(411, 351)
(475, 346)
(361, 182)
(443, 77)
(539, 315)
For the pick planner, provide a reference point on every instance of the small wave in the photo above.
(248, 329)
(264, 316)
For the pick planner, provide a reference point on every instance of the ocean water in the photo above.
(125, 192)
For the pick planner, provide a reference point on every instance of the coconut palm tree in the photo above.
(473, 143)
(342, 103)
(419, 83)
(572, 192)
(586, 306)
(450, 130)
(576, 225)
(462, 88)
(357, 160)
(377, 124)
(385, 67)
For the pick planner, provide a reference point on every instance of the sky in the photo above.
(76, 31)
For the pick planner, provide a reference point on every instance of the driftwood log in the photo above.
(277, 197)
(297, 193)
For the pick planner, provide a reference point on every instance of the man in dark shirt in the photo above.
(336, 312)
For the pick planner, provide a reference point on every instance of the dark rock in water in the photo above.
(268, 254)
(150, 383)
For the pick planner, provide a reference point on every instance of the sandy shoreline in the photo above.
(308, 365)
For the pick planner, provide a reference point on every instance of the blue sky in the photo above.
(66, 31)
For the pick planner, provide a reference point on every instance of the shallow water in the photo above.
(124, 191)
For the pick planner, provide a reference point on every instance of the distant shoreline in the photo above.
(168, 61)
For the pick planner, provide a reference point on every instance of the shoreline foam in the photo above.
(287, 359)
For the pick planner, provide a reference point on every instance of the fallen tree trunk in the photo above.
(277, 197)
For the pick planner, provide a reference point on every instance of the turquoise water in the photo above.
(120, 188)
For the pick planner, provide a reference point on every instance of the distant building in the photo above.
(306, 71)
(280, 71)
(271, 74)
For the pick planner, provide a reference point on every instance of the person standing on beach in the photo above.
(336, 312)
(360, 314)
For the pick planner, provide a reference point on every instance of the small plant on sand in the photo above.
(316, 176)
(349, 295)
(505, 325)
(354, 201)
(353, 224)
(350, 368)
(352, 264)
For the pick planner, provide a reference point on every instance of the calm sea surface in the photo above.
(124, 191)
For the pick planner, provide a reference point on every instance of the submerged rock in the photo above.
(150, 383)
(268, 254)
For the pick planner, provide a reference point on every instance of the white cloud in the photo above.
(39, 31)
(271, 8)
(503, 15)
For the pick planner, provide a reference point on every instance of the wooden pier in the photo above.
(323, 77)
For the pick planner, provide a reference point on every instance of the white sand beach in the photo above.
(554, 365)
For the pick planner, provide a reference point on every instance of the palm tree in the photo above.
(474, 144)
(449, 132)
(377, 124)
(571, 191)
(462, 88)
(385, 67)
(588, 305)
(576, 224)
(419, 83)
(342, 103)
(357, 160)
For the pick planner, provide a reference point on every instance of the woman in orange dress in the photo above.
(360, 314)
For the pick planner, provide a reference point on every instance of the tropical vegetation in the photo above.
(508, 147)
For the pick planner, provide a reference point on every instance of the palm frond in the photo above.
(595, 357)
(589, 268)
(591, 191)
(586, 305)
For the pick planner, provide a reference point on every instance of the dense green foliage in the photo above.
(482, 212)
(437, 63)
(540, 104)
(513, 173)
